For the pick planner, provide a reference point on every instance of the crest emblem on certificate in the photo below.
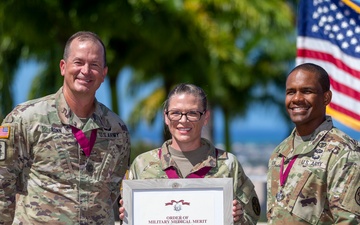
(177, 204)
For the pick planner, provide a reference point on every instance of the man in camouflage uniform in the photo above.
(64, 154)
(187, 155)
(314, 174)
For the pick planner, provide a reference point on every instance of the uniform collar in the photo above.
(67, 117)
(286, 147)
(167, 161)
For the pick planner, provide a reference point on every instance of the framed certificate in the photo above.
(178, 201)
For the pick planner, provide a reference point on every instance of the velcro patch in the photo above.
(357, 196)
(2, 151)
(4, 131)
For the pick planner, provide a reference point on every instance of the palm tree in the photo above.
(212, 44)
(234, 37)
(9, 50)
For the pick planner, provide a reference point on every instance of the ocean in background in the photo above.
(261, 124)
(253, 136)
(153, 134)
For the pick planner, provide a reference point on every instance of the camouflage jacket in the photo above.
(223, 164)
(323, 186)
(42, 162)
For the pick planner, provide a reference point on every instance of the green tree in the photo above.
(242, 45)
(227, 47)
(8, 63)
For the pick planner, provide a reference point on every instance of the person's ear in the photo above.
(105, 73)
(62, 66)
(327, 97)
(166, 119)
(207, 117)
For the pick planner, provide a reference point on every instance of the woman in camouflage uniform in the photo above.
(188, 155)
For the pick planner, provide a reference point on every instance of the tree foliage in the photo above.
(225, 46)
(236, 46)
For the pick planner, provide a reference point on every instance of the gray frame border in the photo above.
(131, 186)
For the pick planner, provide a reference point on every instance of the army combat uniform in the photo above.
(323, 186)
(154, 163)
(41, 160)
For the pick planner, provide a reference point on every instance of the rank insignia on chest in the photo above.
(4, 131)
(89, 167)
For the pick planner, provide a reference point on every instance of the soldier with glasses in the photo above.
(188, 155)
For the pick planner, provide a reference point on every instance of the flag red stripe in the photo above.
(329, 58)
(346, 90)
(349, 91)
(344, 111)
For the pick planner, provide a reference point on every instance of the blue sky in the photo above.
(261, 123)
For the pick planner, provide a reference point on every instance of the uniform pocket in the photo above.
(350, 196)
(109, 158)
(247, 191)
(55, 153)
(63, 157)
(308, 199)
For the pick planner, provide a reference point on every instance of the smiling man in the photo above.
(314, 174)
(64, 154)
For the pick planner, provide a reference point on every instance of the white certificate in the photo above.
(178, 201)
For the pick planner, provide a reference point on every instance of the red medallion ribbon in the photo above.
(84, 143)
(284, 175)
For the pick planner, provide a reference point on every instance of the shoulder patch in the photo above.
(357, 196)
(4, 131)
(2, 150)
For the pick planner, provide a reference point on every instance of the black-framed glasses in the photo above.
(191, 116)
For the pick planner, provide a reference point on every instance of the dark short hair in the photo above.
(187, 89)
(83, 36)
(323, 76)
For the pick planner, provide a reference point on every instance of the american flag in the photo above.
(4, 132)
(329, 35)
